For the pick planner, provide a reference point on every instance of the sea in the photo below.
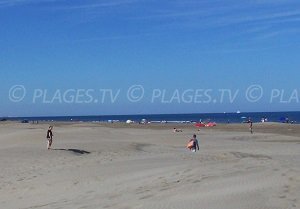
(292, 117)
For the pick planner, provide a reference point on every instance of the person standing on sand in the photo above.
(195, 144)
(49, 137)
(251, 127)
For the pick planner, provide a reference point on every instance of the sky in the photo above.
(99, 57)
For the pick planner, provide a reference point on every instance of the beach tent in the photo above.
(210, 124)
(199, 125)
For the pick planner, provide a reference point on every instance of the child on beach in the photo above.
(193, 144)
(49, 137)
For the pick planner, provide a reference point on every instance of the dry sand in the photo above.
(142, 166)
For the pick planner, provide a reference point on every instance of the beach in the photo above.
(124, 166)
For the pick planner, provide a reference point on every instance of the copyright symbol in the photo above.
(254, 93)
(135, 93)
(17, 93)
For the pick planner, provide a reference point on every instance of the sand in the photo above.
(140, 166)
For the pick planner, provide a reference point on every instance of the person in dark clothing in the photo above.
(49, 137)
(251, 127)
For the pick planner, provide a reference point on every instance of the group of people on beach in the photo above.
(193, 144)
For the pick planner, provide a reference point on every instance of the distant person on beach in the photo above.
(287, 120)
(177, 130)
(49, 137)
(251, 127)
(193, 144)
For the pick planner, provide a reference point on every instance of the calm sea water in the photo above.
(213, 117)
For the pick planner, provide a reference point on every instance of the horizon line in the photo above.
(5, 117)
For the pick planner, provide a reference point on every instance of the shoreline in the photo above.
(290, 116)
(267, 127)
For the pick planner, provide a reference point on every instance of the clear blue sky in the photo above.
(179, 44)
